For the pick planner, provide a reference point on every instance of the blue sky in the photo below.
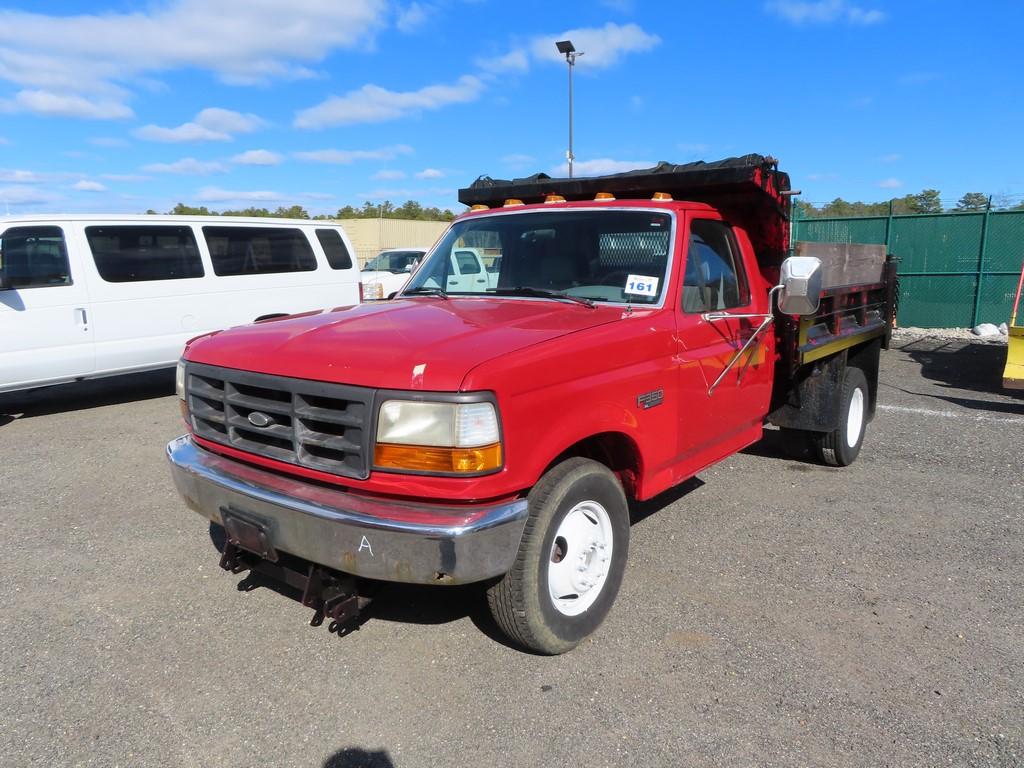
(120, 106)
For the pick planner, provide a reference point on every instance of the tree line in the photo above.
(925, 201)
(410, 209)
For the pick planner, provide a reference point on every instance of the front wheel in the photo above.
(570, 562)
(840, 447)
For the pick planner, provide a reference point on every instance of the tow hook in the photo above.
(331, 594)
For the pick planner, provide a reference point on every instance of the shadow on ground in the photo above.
(425, 604)
(964, 366)
(356, 757)
(80, 395)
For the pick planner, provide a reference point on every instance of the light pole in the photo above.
(566, 47)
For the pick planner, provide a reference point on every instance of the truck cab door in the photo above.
(45, 315)
(467, 272)
(721, 284)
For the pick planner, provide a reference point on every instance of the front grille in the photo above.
(309, 423)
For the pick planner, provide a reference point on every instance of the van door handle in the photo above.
(81, 317)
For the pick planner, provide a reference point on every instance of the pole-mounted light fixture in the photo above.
(566, 48)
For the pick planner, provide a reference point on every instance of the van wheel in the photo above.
(840, 447)
(571, 559)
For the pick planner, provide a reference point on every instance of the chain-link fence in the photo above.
(955, 269)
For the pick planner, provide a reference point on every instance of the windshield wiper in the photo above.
(541, 293)
(425, 290)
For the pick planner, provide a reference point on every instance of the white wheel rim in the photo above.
(581, 554)
(855, 418)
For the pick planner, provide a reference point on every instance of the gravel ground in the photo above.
(774, 613)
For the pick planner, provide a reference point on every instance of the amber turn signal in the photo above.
(419, 458)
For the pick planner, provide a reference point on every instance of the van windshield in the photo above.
(393, 261)
(606, 256)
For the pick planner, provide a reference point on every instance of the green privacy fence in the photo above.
(956, 269)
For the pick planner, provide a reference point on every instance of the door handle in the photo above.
(81, 317)
(481, 280)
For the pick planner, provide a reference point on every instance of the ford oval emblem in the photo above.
(258, 419)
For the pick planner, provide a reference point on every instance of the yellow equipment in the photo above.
(1013, 374)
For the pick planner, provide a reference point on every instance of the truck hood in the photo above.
(416, 343)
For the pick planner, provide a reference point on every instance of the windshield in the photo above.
(393, 261)
(603, 255)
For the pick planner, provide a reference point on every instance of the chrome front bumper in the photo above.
(369, 537)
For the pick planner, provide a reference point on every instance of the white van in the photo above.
(85, 296)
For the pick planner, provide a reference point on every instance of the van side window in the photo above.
(34, 257)
(131, 254)
(258, 250)
(714, 277)
(334, 248)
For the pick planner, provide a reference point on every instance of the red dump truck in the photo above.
(641, 327)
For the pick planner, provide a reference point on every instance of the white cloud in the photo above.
(513, 61)
(212, 124)
(824, 12)
(388, 175)
(893, 157)
(373, 104)
(349, 156)
(430, 173)
(125, 177)
(20, 177)
(187, 166)
(257, 157)
(108, 141)
(601, 48)
(218, 195)
(600, 167)
(22, 195)
(4, 141)
(411, 18)
(65, 105)
(70, 55)
(890, 184)
(89, 186)
(822, 176)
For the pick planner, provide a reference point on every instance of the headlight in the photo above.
(451, 438)
(179, 379)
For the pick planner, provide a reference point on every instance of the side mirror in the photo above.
(800, 279)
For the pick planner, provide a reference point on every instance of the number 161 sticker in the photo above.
(641, 285)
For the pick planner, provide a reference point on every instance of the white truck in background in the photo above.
(386, 273)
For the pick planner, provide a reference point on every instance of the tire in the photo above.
(840, 447)
(577, 511)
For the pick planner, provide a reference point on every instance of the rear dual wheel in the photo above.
(570, 562)
(840, 447)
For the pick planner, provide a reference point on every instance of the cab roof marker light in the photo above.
(480, 207)
(512, 202)
(554, 199)
(604, 196)
(661, 196)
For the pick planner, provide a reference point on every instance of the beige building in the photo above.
(371, 236)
